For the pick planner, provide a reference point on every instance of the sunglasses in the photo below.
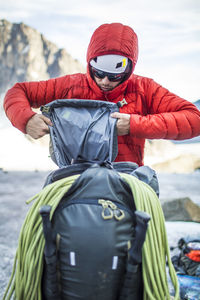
(111, 76)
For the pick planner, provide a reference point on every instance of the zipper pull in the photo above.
(119, 216)
(105, 207)
(111, 204)
(114, 210)
(122, 103)
(118, 213)
(45, 109)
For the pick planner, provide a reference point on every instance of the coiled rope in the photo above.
(155, 248)
(26, 277)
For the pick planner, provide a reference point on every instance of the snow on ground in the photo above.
(18, 153)
(177, 230)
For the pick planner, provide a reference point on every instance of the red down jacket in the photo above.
(155, 112)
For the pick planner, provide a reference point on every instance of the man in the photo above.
(148, 110)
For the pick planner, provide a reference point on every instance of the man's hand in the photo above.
(37, 126)
(123, 123)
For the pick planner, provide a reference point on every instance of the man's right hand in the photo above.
(37, 126)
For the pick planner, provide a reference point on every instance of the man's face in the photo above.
(105, 84)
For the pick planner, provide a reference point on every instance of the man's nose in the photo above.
(105, 80)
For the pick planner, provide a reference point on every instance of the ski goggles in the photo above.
(111, 76)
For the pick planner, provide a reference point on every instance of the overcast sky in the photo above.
(168, 33)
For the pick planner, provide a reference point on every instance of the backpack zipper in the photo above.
(113, 208)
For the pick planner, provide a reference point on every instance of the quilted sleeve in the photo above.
(22, 96)
(168, 117)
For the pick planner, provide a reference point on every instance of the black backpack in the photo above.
(93, 245)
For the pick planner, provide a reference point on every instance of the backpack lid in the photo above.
(82, 131)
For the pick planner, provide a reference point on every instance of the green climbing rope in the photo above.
(25, 280)
(155, 249)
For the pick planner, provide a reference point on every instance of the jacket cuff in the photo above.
(22, 119)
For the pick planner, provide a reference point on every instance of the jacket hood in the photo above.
(114, 38)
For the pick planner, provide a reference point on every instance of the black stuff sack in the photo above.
(82, 131)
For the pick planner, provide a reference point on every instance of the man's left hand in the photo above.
(123, 123)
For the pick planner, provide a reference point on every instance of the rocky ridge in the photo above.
(26, 55)
(168, 157)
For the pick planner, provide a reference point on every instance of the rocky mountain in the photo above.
(25, 55)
